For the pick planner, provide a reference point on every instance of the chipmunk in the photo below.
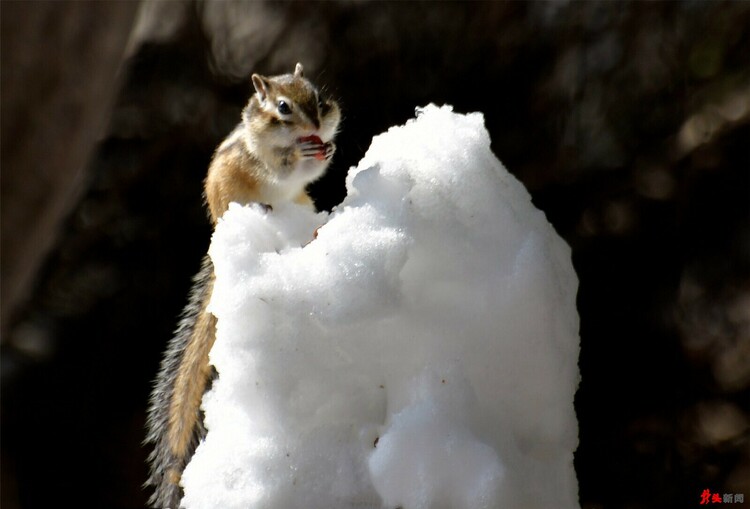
(283, 143)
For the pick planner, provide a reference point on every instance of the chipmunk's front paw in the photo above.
(312, 147)
(328, 150)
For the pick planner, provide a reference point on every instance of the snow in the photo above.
(421, 352)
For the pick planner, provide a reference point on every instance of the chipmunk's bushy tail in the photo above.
(175, 419)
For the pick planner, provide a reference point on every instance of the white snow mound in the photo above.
(420, 353)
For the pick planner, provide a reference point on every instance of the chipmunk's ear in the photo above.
(261, 85)
(299, 71)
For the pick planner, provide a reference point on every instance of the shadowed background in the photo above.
(628, 123)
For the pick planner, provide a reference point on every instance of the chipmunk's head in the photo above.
(292, 107)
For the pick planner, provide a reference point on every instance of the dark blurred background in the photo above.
(628, 123)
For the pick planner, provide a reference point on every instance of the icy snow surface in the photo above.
(420, 353)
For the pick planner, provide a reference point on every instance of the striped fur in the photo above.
(175, 420)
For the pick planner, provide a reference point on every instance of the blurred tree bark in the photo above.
(60, 63)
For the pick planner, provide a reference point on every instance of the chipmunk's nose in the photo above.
(312, 125)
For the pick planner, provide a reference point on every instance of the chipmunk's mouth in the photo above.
(313, 138)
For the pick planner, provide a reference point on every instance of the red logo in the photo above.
(715, 498)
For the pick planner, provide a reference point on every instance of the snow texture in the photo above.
(421, 352)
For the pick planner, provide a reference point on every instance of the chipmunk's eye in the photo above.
(284, 108)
